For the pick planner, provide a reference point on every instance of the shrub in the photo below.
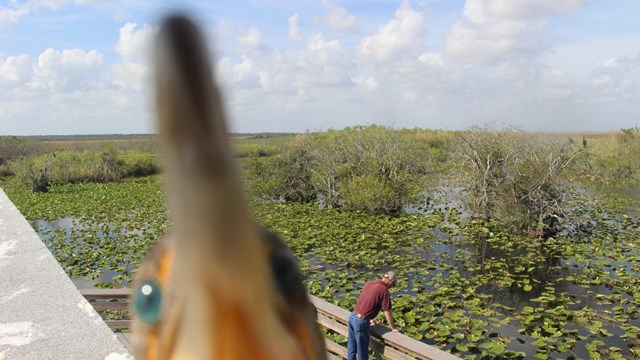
(285, 175)
(370, 193)
(6, 170)
(517, 178)
(373, 168)
(138, 163)
(34, 172)
(65, 167)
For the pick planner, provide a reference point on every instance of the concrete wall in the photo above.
(42, 314)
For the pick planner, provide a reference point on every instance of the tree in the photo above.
(517, 178)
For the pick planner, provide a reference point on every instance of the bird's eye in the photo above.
(286, 273)
(148, 302)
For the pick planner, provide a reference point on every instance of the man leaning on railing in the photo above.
(374, 297)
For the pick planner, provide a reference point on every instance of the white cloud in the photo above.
(530, 9)
(134, 44)
(618, 78)
(251, 39)
(483, 11)
(323, 51)
(396, 81)
(495, 42)
(475, 11)
(294, 29)
(242, 70)
(74, 91)
(244, 73)
(222, 70)
(404, 34)
(284, 81)
(298, 72)
(499, 30)
(489, 68)
(55, 72)
(15, 70)
(433, 59)
(67, 70)
(134, 47)
(339, 18)
(12, 15)
(368, 83)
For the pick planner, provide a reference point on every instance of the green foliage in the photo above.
(369, 193)
(374, 169)
(617, 161)
(285, 175)
(260, 176)
(67, 167)
(6, 170)
(138, 163)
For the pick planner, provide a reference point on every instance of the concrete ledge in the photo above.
(42, 314)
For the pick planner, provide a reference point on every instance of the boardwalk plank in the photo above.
(125, 339)
(390, 344)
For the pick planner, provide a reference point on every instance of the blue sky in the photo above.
(82, 66)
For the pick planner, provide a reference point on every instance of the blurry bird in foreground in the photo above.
(219, 286)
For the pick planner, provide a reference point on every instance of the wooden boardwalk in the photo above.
(125, 339)
(334, 319)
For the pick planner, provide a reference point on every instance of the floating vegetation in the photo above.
(467, 286)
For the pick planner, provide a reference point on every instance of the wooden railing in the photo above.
(390, 344)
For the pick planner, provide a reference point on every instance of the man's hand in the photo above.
(372, 322)
(391, 321)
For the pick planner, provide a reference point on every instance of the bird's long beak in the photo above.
(216, 271)
(221, 262)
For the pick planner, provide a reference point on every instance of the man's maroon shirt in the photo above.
(374, 296)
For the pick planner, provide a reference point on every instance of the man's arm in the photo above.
(390, 320)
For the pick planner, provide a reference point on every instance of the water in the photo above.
(68, 236)
(551, 272)
(631, 194)
(444, 252)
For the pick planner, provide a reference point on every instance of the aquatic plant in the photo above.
(468, 286)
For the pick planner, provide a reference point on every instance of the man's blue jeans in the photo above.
(358, 341)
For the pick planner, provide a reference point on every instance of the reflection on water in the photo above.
(53, 225)
(66, 237)
(105, 276)
(441, 199)
(632, 194)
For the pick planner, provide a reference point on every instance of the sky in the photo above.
(83, 66)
